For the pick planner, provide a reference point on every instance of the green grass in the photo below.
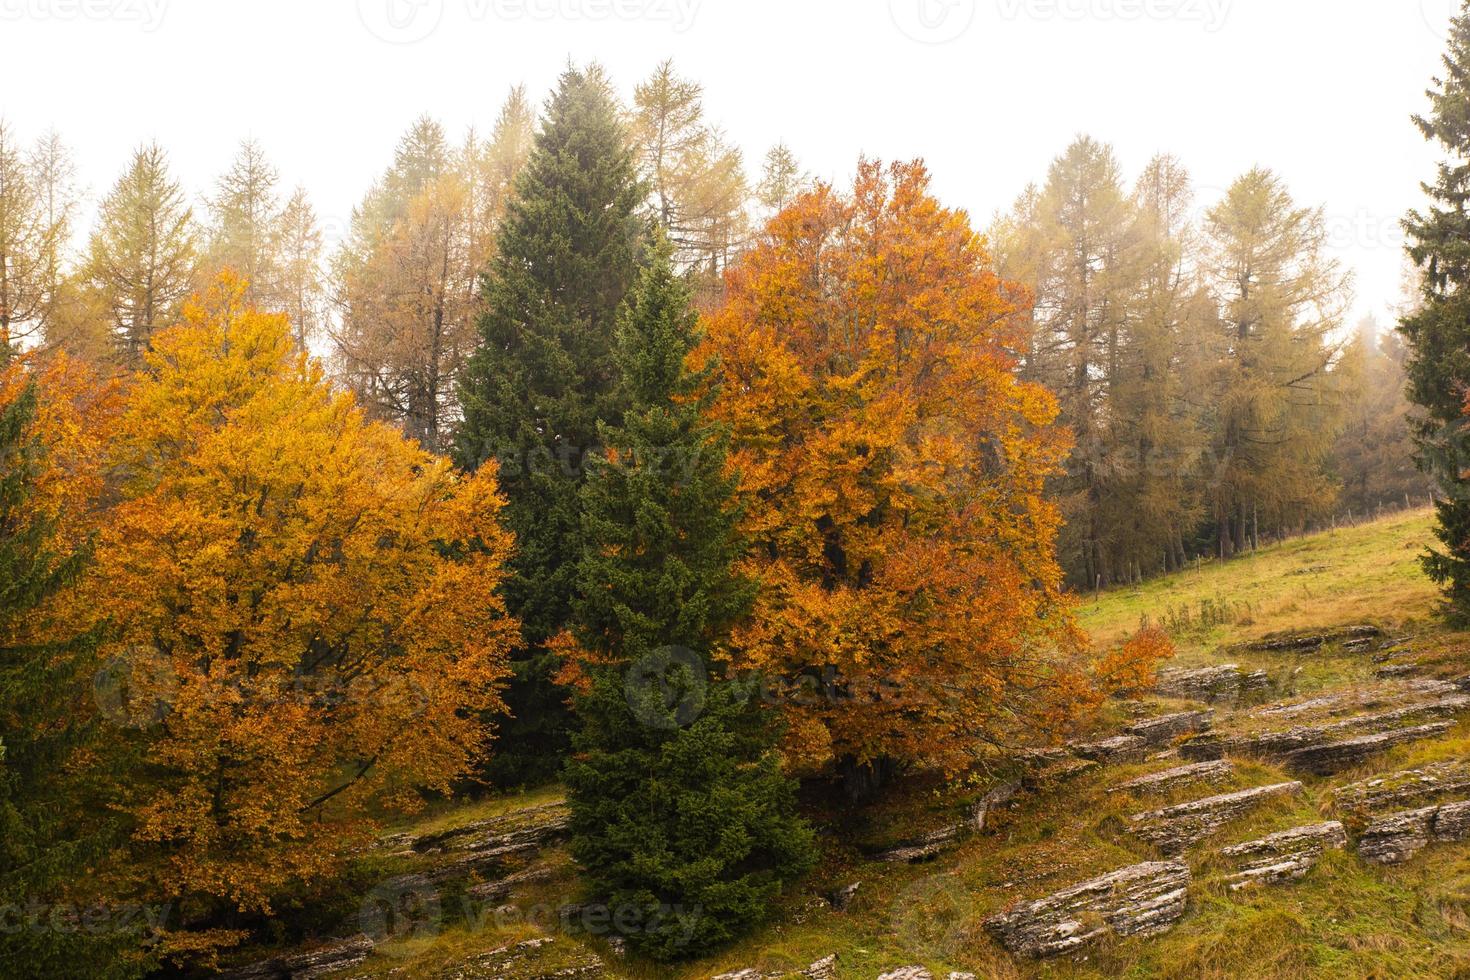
(453, 814)
(1365, 573)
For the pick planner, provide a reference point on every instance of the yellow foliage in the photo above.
(310, 599)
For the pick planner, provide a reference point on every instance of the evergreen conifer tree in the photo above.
(1439, 331)
(543, 377)
(681, 815)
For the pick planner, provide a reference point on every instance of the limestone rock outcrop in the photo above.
(1285, 856)
(1217, 770)
(1141, 900)
(1396, 838)
(1174, 828)
(307, 965)
(1406, 788)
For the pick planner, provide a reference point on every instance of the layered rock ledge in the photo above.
(308, 965)
(1226, 683)
(1162, 730)
(1217, 770)
(1141, 900)
(1396, 838)
(1324, 760)
(1174, 828)
(1285, 856)
(1402, 789)
(1283, 744)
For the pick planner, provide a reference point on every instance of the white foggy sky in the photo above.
(1320, 90)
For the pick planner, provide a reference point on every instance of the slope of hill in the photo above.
(1275, 719)
(1369, 570)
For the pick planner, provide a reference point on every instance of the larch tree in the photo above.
(543, 377)
(315, 601)
(1083, 260)
(782, 179)
(407, 279)
(74, 316)
(243, 215)
(491, 168)
(296, 245)
(696, 181)
(1373, 457)
(1192, 363)
(143, 252)
(33, 231)
(1157, 434)
(274, 245)
(893, 468)
(678, 799)
(1438, 331)
(1281, 300)
(398, 290)
(66, 316)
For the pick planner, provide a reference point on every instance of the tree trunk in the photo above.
(861, 782)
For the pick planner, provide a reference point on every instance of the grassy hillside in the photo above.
(1364, 572)
(1346, 919)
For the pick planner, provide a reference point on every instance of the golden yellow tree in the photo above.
(892, 466)
(307, 601)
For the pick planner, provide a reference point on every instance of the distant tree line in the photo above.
(1202, 363)
(1198, 349)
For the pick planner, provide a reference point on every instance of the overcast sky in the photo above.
(988, 91)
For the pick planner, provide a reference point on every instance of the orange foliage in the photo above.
(309, 601)
(892, 467)
(75, 417)
(1133, 666)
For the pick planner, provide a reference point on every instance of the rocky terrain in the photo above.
(1188, 771)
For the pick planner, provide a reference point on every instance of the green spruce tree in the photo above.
(681, 816)
(543, 377)
(53, 828)
(1439, 331)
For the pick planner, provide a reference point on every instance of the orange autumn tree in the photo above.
(892, 468)
(307, 601)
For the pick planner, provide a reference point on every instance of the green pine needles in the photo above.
(682, 819)
(543, 377)
(1438, 332)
